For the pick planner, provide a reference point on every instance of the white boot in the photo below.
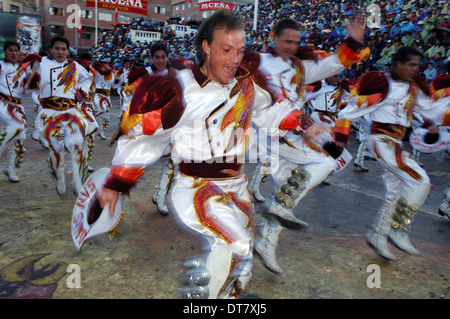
(257, 179)
(285, 213)
(101, 134)
(103, 129)
(159, 197)
(6, 135)
(10, 166)
(416, 157)
(359, 161)
(57, 170)
(377, 236)
(403, 218)
(266, 242)
(60, 181)
(444, 208)
(35, 135)
(77, 171)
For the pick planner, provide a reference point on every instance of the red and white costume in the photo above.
(390, 103)
(87, 110)
(206, 123)
(12, 88)
(440, 89)
(60, 121)
(302, 163)
(104, 79)
(168, 167)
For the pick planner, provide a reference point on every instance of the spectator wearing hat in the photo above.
(407, 26)
(386, 54)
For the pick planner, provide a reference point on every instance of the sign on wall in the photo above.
(129, 6)
(214, 5)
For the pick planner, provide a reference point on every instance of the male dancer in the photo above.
(206, 113)
(60, 122)
(120, 79)
(12, 88)
(390, 100)
(104, 79)
(440, 88)
(160, 58)
(303, 164)
(87, 109)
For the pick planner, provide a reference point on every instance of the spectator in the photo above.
(386, 54)
(436, 48)
(430, 72)
(395, 29)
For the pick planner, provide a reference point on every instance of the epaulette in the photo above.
(440, 87)
(372, 87)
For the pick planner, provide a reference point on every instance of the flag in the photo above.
(117, 15)
(79, 27)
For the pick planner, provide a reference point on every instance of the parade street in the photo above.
(330, 259)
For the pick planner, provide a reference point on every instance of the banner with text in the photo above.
(214, 5)
(129, 6)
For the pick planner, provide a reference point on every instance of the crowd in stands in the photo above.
(423, 24)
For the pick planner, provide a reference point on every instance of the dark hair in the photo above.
(158, 47)
(221, 19)
(9, 44)
(85, 56)
(59, 39)
(404, 54)
(286, 24)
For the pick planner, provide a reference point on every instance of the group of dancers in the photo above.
(202, 119)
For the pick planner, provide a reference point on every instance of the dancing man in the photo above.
(206, 113)
(104, 79)
(390, 101)
(12, 88)
(60, 122)
(302, 162)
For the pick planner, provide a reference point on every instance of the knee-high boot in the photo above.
(159, 197)
(377, 236)
(444, 208)
(266, 241)
(359, 161)
(56, 165)
(15, 159)
(257, 179)
(78, 164)
(407, 209)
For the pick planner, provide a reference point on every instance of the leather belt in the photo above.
(13, 100)
(58, 103)
(212, 170)
(103, 91)
(395, 131)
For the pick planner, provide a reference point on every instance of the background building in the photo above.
(58, 17)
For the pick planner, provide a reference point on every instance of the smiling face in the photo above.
(160, 60)
(287, 43)
(224, 55)
(59, 51)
